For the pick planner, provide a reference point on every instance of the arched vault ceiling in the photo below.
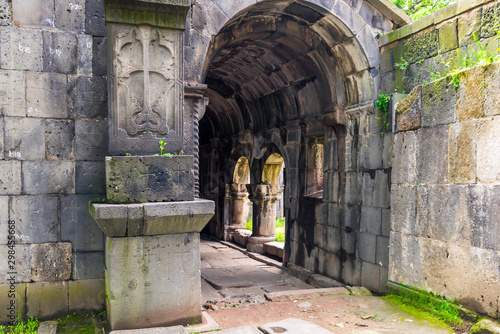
(265, 68)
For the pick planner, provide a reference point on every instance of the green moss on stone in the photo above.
(490, 21)
(421, 46)
(448, 38)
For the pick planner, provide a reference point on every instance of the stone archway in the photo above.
(288, 74)
(237, 197)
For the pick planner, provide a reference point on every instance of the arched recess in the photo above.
(286, 72)
(242, 171)
(272, 169)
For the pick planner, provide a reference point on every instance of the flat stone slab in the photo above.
(275, 296)
(131, 220)
(241, 330)
(157, 330)
(47, 327)
(293, 326)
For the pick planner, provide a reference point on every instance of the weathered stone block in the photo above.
(24, 138)
(470, 101)
(488, 155)
(49, 177)
(89, 265)
(77, 226)
(371, 151)
(5, 19)
(370, 274)
(133, 282)
(87, 295)
(469, 24)
(382, 257)
(36, 218)
(91, 139)
(90, 177)
(492, 89)
(90, 98)
(10, 178)
(332, 239)
(462, 153)
(12, 93)
(21, 49)
(329, 265)
(387, 152)
(404, 163)
(371, 220)
(351, 272)
(490, 20)
(99, 57)
(33, 13)
(421, 46)
(95, 23)
(111, 218)
(403, 204)
(319, 235)
(432, 156)
(408, 111)
(137, 179)
(19, 290)
(386, 222)
(333, 218)
(51, 261)
(59, 52)
(70, 16)
(448, 36)
(381, 189)
(446, 215)
(47, 299)
(46, 95)
(85, 50)
(208, 18)
(21, 265)
(404, 266)
(4, 218)
(439, 100)
(367, 246)
(59, 139)
(482, 204)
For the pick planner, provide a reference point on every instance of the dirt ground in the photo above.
(338, 313)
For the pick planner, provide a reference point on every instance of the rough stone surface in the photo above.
(47, 327)
(59, 139)
(408, 111)
(39, 293)
(33, 13)
(21, 49)
(448, 37)
(139, 179)
(88, 265)
(48, 177)
(439, 100)
(19, 303)
(462, 153)
(488, 156)
(90, 177)
(10, 178)
(95, 23)
(5, 13)
(12, 93)
(86, 295)
(51, 262)
(422, 46)
(404, 163)
(492, 90)
(77, 226)
(46, 95)
(432, 155)
(91, 137)
(59, 52)
(24, 138)
(133, 281)
(36, 218)
(70, 16)
(90, 98)
(470, 101)
(22, 265)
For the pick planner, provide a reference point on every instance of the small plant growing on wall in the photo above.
(382, 105)
(162, 148)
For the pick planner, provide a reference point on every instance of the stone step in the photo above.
(241, 330)
(158, 330)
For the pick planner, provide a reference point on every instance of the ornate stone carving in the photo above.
(147, 86)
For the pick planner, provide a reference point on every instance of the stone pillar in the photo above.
(239, 207)
(264, 198)
(151, 219)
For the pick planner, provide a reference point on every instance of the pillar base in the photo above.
(256, 244)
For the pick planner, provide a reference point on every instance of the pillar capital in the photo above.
(158, 13)
(269, 192)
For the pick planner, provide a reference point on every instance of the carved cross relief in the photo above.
(147, 83)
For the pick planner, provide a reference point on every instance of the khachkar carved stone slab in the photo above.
(146, 89)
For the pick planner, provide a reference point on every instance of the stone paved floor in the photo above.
(227, 273)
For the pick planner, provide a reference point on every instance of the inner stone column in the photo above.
(264, 198)
(239, 208)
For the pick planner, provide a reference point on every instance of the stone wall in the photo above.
(53, 142)
(446, 188)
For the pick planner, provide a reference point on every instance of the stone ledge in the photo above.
(117, 220)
